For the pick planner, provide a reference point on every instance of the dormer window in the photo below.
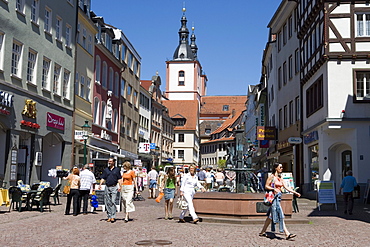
(225, 108)
(181, 78)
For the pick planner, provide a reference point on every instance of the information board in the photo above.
(326, 193)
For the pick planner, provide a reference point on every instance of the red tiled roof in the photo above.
(227, 124)
(146, 84)
(220, 140)
(213, 105)
(189, 109)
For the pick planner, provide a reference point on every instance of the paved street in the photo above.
(326, 228)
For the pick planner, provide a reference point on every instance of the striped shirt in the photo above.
(87, 180)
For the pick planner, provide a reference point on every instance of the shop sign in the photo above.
(55, 121)
(6, 101)
(311, 137)
(80, 134)
(104, 135)
(144, 147)
(295, 140)
(266, 133)
(138, 163)
(29, 109)
(283, 144)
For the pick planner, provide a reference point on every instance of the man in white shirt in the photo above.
(87, 180)
(152, 177)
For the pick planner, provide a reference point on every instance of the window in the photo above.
(97, 69)
(134, 131)
(279, 77)
(129, 62)
(362, 85)
(16, 56)
(77, 83)
(20, 6)
(68, 35)
(111, 78)
(284, 73)
(32, 55)
(66, 77)
(2, 35)
(78, 33)
(84, 37)
(123, 53)
(58, 28)
(82, 87)
(56, 79)
(88, 89)
(279, 41)
(135, 99)
(181, 78)
(35, 11)
(123, 82)
(297, 109)
(284, 34)
(96, 110)
(363, 24)
(291, 112)
(207, 131)
(297, 61)
(89, 44)
(181, 138)
(180, 154)
(128, 127)
(47, 20)
(290, 69)
(45, 73)
(116, 84)
(105, 74)
(129, 89)
(280, 119)
(103, 112)
(314, 97)
(115, 120)
(285, 116)
(225, 108)
(290, 26)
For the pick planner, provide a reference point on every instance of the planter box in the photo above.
(248, 205)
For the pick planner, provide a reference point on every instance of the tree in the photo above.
(221, 164)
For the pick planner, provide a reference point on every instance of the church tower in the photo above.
(184, 76)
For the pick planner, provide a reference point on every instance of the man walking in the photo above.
(152, 177)
(348, 185)
(112, 177)
(87, 180)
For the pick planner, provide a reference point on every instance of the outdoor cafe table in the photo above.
(4, 197)
(29, 194)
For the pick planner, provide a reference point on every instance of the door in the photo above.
(346, 162)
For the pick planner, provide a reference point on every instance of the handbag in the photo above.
(159, 197)
(356, 192)
(269, 198)
(182, 203)
(67, 188)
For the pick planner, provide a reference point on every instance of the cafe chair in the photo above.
(55, 194)
(16, 198)
(43, 199)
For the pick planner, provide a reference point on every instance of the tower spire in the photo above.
(193, 45)
(183, 51)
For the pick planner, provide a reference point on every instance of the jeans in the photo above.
(84, 197)
(348, 201)
(110, 195)
(75, 194)
(276, 213)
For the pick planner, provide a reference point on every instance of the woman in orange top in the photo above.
(128, 183)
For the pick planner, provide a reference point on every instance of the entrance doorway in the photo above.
(346, 162)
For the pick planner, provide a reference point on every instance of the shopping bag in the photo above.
(356, 192)
(159, 197)
(269, 198)
(182, 203)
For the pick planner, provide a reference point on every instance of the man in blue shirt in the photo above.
(348, 185)
(112, 177)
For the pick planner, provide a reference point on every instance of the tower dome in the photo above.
(183, 50)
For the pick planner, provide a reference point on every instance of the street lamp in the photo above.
(86, 128)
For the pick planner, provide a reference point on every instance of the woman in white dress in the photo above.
(187, 189)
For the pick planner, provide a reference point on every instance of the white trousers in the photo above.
(189, 199)
(127, 194)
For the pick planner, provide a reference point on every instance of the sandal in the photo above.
(262, 234)
(290, 236)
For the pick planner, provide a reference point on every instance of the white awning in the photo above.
(111, 153)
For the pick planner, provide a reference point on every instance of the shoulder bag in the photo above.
(182, 203)
(269, 196)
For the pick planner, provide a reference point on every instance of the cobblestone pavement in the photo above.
(32, 228)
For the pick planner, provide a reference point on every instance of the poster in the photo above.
(326, 192)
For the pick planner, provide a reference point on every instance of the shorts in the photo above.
(153, 184)
(169, 193)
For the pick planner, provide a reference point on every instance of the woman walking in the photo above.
(187, 190)
(275, 213)
(74, 181)
(128, 184)
(169, 188)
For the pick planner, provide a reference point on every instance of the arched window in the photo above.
(97, 70)
(103, 112)
(181, 78)
(110, 86)
(116, 84)
(105, 74)
(96, 110)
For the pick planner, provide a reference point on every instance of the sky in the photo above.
(230, 35)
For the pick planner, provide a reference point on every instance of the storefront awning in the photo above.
(111, 153)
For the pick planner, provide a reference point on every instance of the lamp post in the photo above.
(86, 128)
